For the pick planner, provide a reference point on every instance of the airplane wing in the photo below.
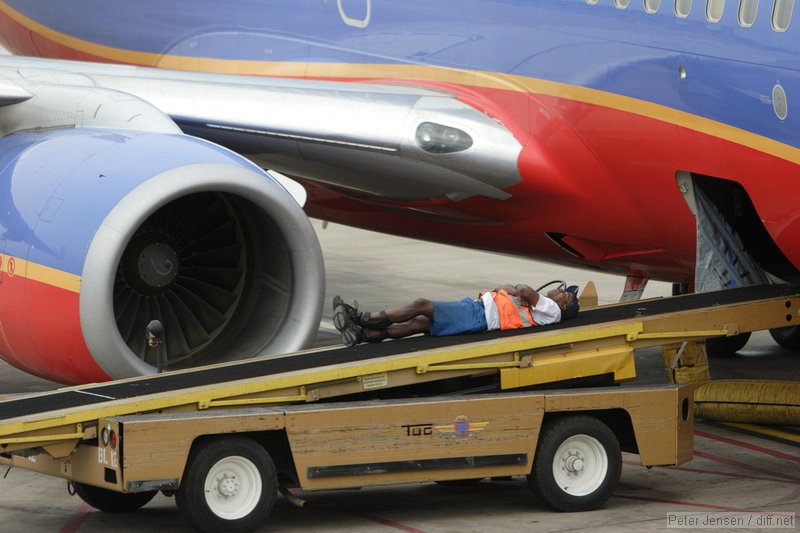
(390, 141)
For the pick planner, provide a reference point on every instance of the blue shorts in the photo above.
(455, 318)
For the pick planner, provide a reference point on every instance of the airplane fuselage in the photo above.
(608, 104)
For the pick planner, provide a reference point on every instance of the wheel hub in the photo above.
(227, 485)
(574, 462)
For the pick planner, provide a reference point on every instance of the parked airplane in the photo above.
(582, 132)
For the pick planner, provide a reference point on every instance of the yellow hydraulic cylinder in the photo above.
(686, 363)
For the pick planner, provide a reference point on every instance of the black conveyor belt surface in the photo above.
(158, 383)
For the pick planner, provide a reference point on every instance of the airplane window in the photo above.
(683, 8)
(747, 12)
(622, 4)
(782, 14)
(651, 6)
(714, 9)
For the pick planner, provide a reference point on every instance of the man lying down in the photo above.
(505, 307)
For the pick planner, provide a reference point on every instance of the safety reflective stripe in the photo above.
(513, 315)
(524, 313)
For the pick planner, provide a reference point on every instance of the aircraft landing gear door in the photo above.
(355, 13)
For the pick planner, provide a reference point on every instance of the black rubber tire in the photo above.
(110, 501)
(726, 346)
(205, 459)
(596, 477)
(789, 337)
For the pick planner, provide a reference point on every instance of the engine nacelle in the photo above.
(104, 231)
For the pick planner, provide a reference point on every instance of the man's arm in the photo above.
(525, 293)
(510, 289)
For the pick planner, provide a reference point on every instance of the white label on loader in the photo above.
(375, 381)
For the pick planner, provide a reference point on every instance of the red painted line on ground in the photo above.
(690, 504)
(744, 466)
(718, 473)
(749, 446)
(77, 519)
(389, 523)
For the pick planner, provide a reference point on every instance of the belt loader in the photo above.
(225, 439)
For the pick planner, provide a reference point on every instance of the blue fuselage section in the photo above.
(722, 70)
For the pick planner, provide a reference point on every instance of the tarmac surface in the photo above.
(741, 478)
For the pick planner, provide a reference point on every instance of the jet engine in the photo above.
(103, 231)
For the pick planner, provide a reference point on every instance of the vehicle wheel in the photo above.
(787, 337)
(229, 484)
(578, 463)
(111, 501)
(725, 346)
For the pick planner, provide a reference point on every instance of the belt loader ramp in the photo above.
(225, 438)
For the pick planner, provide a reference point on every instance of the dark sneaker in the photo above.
(344, 313)
(352, 334)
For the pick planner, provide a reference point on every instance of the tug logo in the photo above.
(461, 427)
(418, 430)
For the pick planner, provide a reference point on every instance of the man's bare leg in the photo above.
(418, 324)
(420, 307)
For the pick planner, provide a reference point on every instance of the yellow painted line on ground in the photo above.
(765, 430)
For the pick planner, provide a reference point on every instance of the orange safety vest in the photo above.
(513, 315)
